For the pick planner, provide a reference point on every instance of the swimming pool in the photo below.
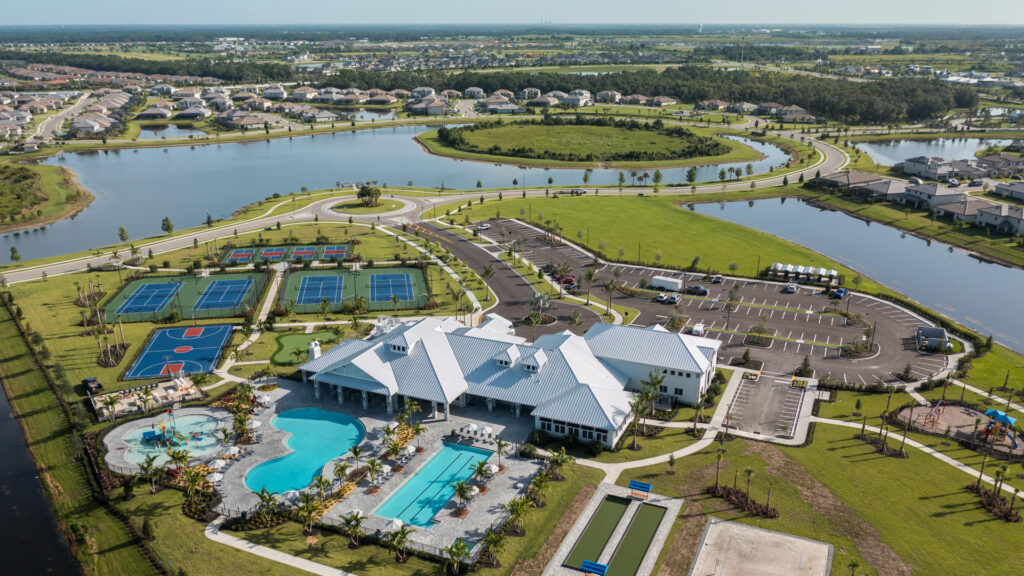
(317, 437)
(205, 442)
(426, 493)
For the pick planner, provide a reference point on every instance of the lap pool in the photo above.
(317, 437)
(426, 493)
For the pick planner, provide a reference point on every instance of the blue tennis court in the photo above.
(304, 253)
(335, 251)
(272, 254)
(240, 255)
(384, 286)
(150, 298)
(223, 294)
(172, 351)
(315, 288)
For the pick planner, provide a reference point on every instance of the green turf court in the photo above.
(635, 542)
(307, 294)
(598, 531)
(131, 304)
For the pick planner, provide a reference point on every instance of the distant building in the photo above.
(529, 93)
(660, 101)
(474, 93)
(609, 96)
(931, 167)
(930, 195)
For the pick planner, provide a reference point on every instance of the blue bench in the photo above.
(641, 490)
(593, 568)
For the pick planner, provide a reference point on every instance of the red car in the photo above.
(569, 280)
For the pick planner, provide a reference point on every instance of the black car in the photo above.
(92, 385)
(697, 290)
(547, 268)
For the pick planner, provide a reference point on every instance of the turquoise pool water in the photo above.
(426, 493)
(317, 437)
(207, 441)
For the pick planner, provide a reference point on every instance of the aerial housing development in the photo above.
(544, 299)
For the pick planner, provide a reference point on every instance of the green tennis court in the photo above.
(186, 300)
(598, 531)
(365, 284)
(636, 541)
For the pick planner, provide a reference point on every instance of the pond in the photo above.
(892, 152)
(168, 131)
(940, 277)
(364, 114)
(137, 188)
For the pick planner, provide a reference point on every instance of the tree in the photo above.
(533, 320)
(15, 257)
(481, 470)
(853, 565)
(456, 553)
(487, 273)
(147, 471)
(575, 320)
(398, 541)
(167, 226)
(357, 454)
(649, 393)
(352, 526)
(559, 460)
(622, 180)
(588, 278)
(749, 473)
(110, 402)
(517, 508)
(609, 288)
(268, 503)
(501, 447)
(462, 493)
(369, 195)
(718, 467)
(193, 479)
(691, 175)
(721, 174)
(322, 484)
(341, 471)
(494, 542)
(657, 180)
(122, 234)
(179, 457)
(373, 469)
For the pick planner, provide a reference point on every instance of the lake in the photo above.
(976, 294)
(892, 152)
(168, 131)
(137, 188)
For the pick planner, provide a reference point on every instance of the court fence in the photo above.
(177, 310)
(419, 301)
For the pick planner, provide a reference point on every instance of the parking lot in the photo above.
(804, 325)
(769, 406)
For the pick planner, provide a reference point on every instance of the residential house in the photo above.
(221, 104)
(505, 94)
(194, 113)
(422, 92)
(886, 189)
(493, 99)
(711, 105)
(1016, 146)
(790, 111)
(742, 108)
(275, 92)
(529, 93)
(609, 96)
(635, 99)
(303, 93)
(578, 100)
(350, 99)
(930, 195)
(243, 96)
(188, 92)
(966, 210)
(162, 90)
(257, 104)
(399, 93)
(848, 179)
(474, 92)
(557, 94)
(288, 108)
(660, 101)
(319, 115)
(1003, 163)
(769, 108)
(1013, 190)
(542, 102)
(383, 99)
(1003, 218)
(154, 113)
(931, 167)
(190, 102)
(450, 94)
(91, 123)
(506, 108)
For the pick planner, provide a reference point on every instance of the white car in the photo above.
(661, 297)
(484, 226)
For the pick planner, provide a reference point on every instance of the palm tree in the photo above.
(109, 402)
(974, 435)
(575, 320)
(398, 541)
(540, 303)
(373, 468)
(493, 543)
(649, 394)
(718, 467)
(608, 287)
(147, 471)
(639, 407)
(462, 493)
(352, 525)
(193, 480)
(984, 460)
(749, 473)
(241, 428)
(357, 453)
(246, 391)
(533, 320)
(541, 483)
(501, 447)
(148, 398)
(481, 470)
(418, 430)
(322, 484)
(180, 457)
(487, 274)
(308, 510)
(268, 502)
(456, 553)
(853, 565)
(588, 277)
(341, 470)
(517, 508)
(559, 460)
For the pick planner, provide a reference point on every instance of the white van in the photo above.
(697, 330)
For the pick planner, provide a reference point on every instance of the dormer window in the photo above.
(399, 348)
(531, 367)
(504, 363)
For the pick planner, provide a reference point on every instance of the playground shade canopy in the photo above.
(1000, 416)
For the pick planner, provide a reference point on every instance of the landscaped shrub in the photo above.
(528, 451)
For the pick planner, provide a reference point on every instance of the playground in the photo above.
(213, 296)
(241, 256)
(175, 351)
(192, 429)
(995, 429)
(377, 286)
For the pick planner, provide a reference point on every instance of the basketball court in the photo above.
(171, 351)
(149, 298)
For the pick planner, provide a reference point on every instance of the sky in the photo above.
(896, 12)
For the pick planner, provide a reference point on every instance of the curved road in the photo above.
(833, 159)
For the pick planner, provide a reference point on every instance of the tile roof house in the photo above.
(570, 385)
(474, 92)
(711, 105)
(659, 101)
(1013, 190)
(609, 96)
(304, 93)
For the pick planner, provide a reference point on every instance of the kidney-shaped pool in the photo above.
(317, 437)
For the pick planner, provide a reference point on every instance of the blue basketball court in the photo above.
(240, 255)
(149, 298)
(315, 288)
(336, 252)
(304, 253)
(384, 286)
(181, 350)
(272, 254)
(223, 294)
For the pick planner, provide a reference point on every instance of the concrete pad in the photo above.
(733, 549)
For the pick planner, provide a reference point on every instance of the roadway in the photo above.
(49, 126)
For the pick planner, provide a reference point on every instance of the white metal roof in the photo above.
(651, 347)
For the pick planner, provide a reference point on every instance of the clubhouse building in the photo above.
(569, 384)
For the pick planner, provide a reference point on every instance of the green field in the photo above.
(636, 540)
(185, 299)
(287, 344)
(598, 531)
(357, 207)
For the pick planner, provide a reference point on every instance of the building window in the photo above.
(679, 391)
(602, 436)
(545, 426)
(559, 428)
(663, 389)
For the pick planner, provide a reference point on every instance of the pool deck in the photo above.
(556, 567)
(116, 447)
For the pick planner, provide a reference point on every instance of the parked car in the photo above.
(556, 276)
(674, 299)
(975, 183)
(577, 192)
(92, 385)
(1017, 177)
(697, 290)
(571, 287)
(839, 294)
(569, 280)
(952, 182)
(916, 180)
(661, 297)
(547, 268)
(697, 330)
(789, 289)
(484, 226)
(718, 279)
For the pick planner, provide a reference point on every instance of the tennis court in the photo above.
(223, 294)
(149, 298)
(240, 256)
(171, 351)
(314, 289)
(275, 254)
(304, 253)
(336, 252)
(384, 286)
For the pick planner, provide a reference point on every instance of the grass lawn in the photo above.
(872, 406)
(357, 207)
(108, 549)
(369, 560)
(990, 370)
(600, 141)
(668, 440)
(179, 541)
(288, 343)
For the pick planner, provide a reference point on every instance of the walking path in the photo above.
(980, 392)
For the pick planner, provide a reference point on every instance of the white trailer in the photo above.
(666, 283)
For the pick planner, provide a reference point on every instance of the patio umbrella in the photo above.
(472, 427)
(492, 468)
(233, 450)
(215, 477)
(486, 430)
(409, 449)
(356, 512)
(395, 525)
(217, 464)
(392, 425)
(255, 424)
(386, 468)
(473, 490)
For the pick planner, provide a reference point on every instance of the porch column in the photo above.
(304, 377)
(433, 408)
(490, 404)
(462, 401)
(341, 394)
(316, 387)
(364, 399)
(517, 410)
(445, 411)
(391, 404)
